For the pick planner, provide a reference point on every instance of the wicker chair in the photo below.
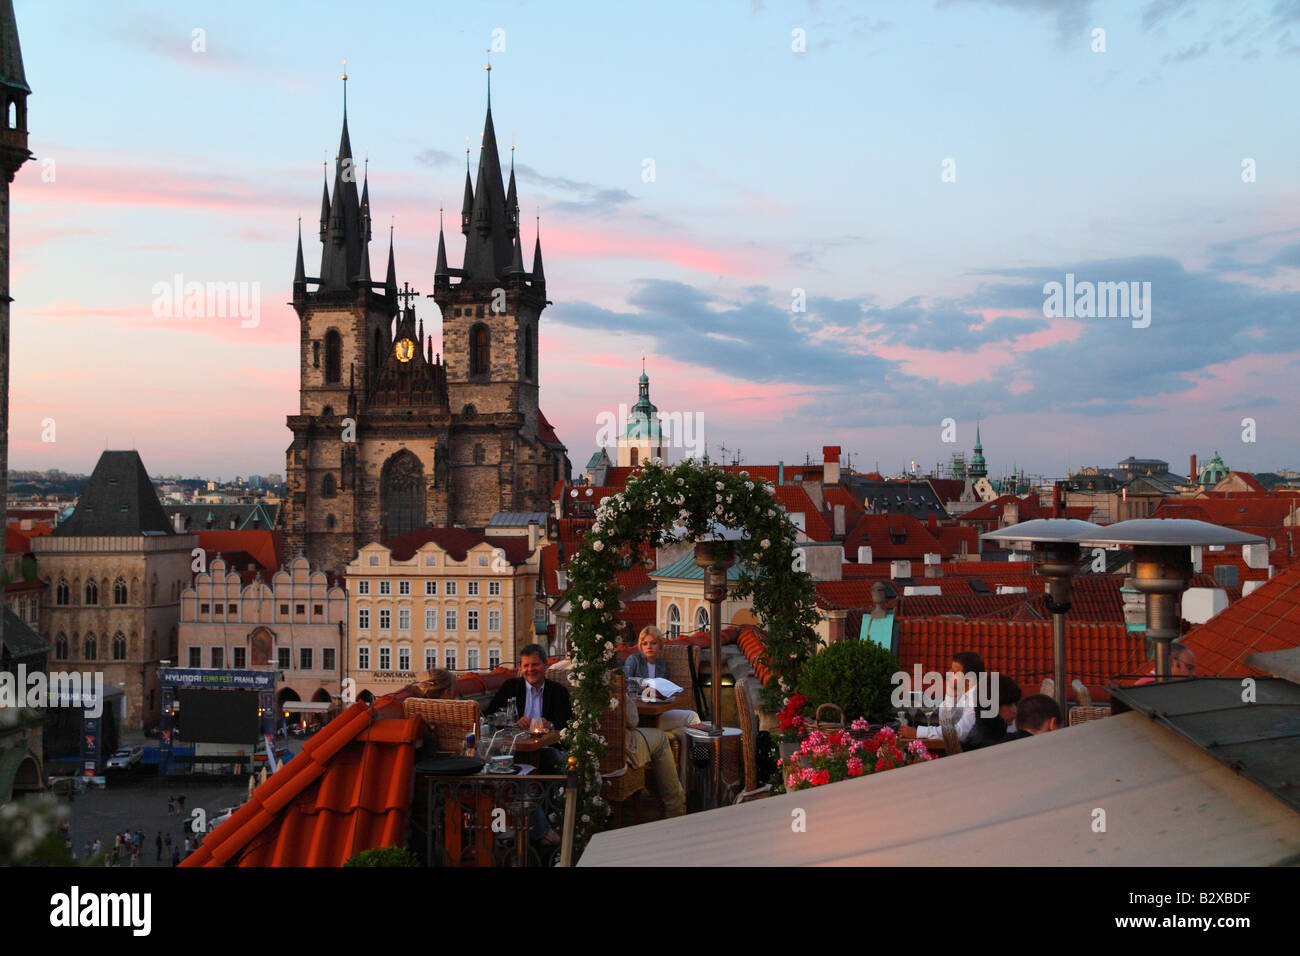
(1079, 715)
(677, 657)
(448, 720)
(749, 744)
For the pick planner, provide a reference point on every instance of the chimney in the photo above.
(178, 523)
(839, 521)
(830, 464)
(532, 536)
(1058, 506)
(780, 472)
(864, 554)
(1191, 476)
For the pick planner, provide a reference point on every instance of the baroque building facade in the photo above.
(389, 436)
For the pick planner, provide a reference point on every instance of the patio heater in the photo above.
(715, 557)
(1162, 560)
(1056, 559)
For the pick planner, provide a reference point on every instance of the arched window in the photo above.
(119, 647)
(329, 522)
(530, 354)
(92, 593)
(480, 350)
(61, 647)
(328, 488)
(674, 621)
(119, 591)
(401, 490)
(315, 355)
(327, 411)
(333, 357)
(61, 594)
(89, 647)
(635, 454)
(702, 619)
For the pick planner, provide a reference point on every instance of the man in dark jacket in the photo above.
(535, 696)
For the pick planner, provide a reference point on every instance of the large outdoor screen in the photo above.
(219, 716)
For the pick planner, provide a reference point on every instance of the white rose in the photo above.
(766, 543)
(719, 484)
(585, 605)
(749, 486)
(598, 545)
(681, 481)
(599, 603)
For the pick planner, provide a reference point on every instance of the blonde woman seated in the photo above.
(647, 662)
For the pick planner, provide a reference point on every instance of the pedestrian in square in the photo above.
(171, 805)
(157, 839)
(168, 840)
(176, 857)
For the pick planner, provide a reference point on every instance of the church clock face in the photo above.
(404, 350)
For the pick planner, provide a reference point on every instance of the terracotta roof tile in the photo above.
(1268, 619)
(457, 542)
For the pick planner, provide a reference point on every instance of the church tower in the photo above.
(642, 437)
(390, 437)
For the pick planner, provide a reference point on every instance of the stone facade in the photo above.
(294, 624)
(113, 605)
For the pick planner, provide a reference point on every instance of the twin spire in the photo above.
(489, 222)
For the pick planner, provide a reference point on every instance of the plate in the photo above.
(500, 773)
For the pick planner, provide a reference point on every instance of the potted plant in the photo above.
(829, 758)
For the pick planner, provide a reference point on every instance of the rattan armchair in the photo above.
(749, 745)
(448, 720)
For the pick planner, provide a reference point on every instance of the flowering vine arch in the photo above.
(660, 505)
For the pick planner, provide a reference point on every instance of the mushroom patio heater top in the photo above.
(1056, 558)
(1163, 565)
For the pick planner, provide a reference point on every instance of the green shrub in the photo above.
(854, 674)
(384, 856)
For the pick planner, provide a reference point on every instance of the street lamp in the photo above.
(1055, 544)
(1162, 560)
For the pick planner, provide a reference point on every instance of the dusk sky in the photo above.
(1171, 158)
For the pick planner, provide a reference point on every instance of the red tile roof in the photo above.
(457, 542)
(263, 546)
(947, 489)
(879, 531)
(795, 500)
(1267, 619)
(1095, 652)
(544, 430)
(1028, 508)
(349, 790)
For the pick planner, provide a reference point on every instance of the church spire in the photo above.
(487, 248)
(390, 278)
(324, 202)
(538, 274)
(299, 271)
(512, 199)
(344, 243)
(440, 268)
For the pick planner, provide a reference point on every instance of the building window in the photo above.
(430, 588)
(449, 659)
(240, 657)
(494, 620)
(430, 619)
(89, 647)
(300, 609)
(674, 621)
(282, 658)
(494, 589)
(363, 587)
(403, 658)
(363, 658)
(304, 658)
(119, 647)
(471, 589)
(232, 610)
(1225, 576)
(449, 589)
(702, 619)
(61, 647)
(119, 591)
(218, 655)
(333, 357)
(430, 658)
(471, 620)
(404, 587)
(471, 659)
(216, 609)
(482, 561)
(363, 618)
(385, 587)
(449, 620)
(205, 608)
(284, 610)
(61, 593)
(431, 560)
(328, 486)
(92, 593)
(385, 658)
(480, 350)
(318, 610)
(196, 656)
(403, 618)
(385, 619)
(327, 659)
(374, 560)
(494, 657)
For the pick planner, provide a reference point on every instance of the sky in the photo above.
(820, 223)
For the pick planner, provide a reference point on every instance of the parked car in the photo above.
(125, 758)
(222, 816)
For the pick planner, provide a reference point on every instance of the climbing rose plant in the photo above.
(698, 498)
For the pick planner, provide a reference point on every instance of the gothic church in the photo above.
(389, 436)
